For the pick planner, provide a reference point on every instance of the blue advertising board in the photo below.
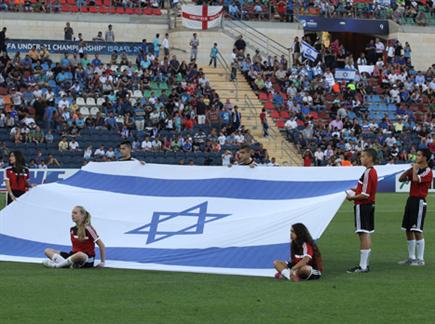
(348, 25)
(61, 46)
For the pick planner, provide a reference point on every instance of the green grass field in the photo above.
(30, 293)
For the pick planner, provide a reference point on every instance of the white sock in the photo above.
(57, 258)
(411, 249)
(286, 273)
(64, 264)
(364, 259)
(420, 249)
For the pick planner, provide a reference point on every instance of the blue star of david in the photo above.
(199, 211)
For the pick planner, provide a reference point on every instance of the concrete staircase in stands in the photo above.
(250, 108)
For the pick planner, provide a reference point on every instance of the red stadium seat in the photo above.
(137, 11)
(98, 3)
(120, 11)
(129, 11)
(280, 123)
(102, 10)
(83, 9)
(71, 2)
(284, 114)
(274, 114)
(93, 9)
(262, 96)
(147, 11)
(66, 8)
(75, 9)
(268, 105)
(156, 12)
(108, 3)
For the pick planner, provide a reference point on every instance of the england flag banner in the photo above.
(308, 51)
(181, 218)
(201, 17)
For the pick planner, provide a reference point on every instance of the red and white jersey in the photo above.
(308, 251)
(87, 245)
(420, 188)
(17, 180)
(367, 186)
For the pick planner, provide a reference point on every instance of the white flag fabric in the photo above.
(308, 51)
(345, 74)
(201, 17)
(181, 218)
(366, 68)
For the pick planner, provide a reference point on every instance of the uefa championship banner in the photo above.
(61, 46)
(180, 218)
(201, 17)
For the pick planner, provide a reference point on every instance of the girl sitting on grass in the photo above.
(83, 239)
(305, 258)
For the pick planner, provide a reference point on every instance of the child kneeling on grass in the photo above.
(83, 239)
(305, 258)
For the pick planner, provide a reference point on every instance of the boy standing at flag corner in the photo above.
(364, 196)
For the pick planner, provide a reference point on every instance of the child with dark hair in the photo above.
(305, 258)
(16, 176)
(421, 177)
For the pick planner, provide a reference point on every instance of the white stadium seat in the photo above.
(80, 101)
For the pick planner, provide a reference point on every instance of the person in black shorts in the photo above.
(421, 177)
(364, 196)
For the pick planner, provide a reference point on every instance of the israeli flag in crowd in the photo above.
(308, 51)
(180, 218)
(345, 74)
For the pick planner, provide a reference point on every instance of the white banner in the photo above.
(406, 186)
(201, 17)
(345, 74)
(181, 218)
(366, 68)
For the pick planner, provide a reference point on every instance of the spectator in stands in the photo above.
(110, 154)
(156, 45)
(87, 155)
(68, 32)
(63, 145)
(264, 123)
(52, 161)
(194, 44)
(3, 39)
(165, 44)
(213, 55)
(420, 19)
(100, 152)
(74, 145)
(99, 37)
(109, 36)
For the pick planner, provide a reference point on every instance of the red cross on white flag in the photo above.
(201, 17)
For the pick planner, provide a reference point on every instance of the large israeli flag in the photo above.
(180, 218)
(308, 51)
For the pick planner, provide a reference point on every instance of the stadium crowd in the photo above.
(403, 12)
(331, 121)
(165, 107)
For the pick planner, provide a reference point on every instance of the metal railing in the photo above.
(255, 39)
(281, 145)
(227, 68)
(253, 111)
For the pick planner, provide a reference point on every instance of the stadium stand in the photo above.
(402, 12)
(152, 7)
(391, 109)
(77, 109)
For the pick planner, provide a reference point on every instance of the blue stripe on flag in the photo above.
(219, 188)
(253, 257)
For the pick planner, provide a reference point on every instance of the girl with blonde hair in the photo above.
(83, 239)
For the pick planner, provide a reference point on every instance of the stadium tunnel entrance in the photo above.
(354, 34)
